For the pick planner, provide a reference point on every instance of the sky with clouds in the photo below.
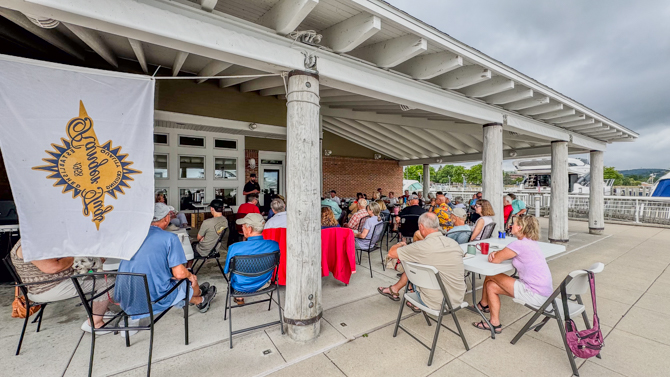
(612, 56)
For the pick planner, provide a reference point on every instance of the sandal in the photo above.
(239, 301)
(395, 296)
(483, 326)
(414, 308)
(482, 308)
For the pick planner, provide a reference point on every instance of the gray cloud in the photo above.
(610, 55)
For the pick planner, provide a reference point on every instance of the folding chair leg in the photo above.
(90, 361)
(39, 318)
(541, 325)
(584, 316)
(126, 334)
(437, 333)
(151, 349)
(370, 264)
(427, 319)
(382, 256)
(186, 305)
(230, 318)
(23, 330)
(397, 322)
(460, 331)
(571, 357)
(270, 306)
(526, 327)
(281, 317)
(225, 312)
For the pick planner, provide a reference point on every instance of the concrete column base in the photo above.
(596, 231)
(560, 242)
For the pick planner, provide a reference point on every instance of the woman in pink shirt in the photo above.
(534, 285)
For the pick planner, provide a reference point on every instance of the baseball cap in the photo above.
(459, 212)
(413, 197)
(160, 211)
(252, 175)
(253, 219)
(171, 208)
(217, 204)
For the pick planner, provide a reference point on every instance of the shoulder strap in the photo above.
(564, 300)
(592, 284)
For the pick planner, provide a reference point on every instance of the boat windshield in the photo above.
(584, 180)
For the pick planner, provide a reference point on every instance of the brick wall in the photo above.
(5, 190)
(348, 176)
(249, 154)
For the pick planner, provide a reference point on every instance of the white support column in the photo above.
(426, 181)
(492, 173)
(596, 194)
(558, 210)
(303, 231)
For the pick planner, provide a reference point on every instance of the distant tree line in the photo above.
(455, 174)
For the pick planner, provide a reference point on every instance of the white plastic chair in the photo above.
(428, 277)
(576, 283)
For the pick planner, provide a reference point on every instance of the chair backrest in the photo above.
(131, 291)
(487, 231)
(579, 282)
(8, 213)
(254, 265)
(7, 260)
(409, 224)
(219, 240)
(422, 275)
(460, 236)
(362, 222)
(377, 233)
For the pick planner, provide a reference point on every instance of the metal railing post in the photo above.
(537, 206)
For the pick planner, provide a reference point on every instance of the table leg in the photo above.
(475, 308)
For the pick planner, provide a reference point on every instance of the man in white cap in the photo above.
(459, 225)
(161, 258)
(252, 227)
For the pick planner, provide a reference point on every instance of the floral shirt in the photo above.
(446, 217)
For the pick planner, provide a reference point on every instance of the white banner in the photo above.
(78, 148)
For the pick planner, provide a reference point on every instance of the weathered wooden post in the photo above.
(492, 173)
(426, 181)
(302, 312)
(558, 210)
(596, 195)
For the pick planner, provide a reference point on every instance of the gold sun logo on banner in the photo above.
(87, 169)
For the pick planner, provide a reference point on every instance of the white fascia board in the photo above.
(217, 36)
(388, 12)
(170, 116)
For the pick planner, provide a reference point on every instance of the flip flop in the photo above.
(395, 296)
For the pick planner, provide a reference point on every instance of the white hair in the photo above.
(429, 220)
(507, 199)
(277, 205)
(362, 203)
(258, 229)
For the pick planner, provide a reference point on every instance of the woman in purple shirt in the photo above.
(534, 285)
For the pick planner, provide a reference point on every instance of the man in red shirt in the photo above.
(251, 206)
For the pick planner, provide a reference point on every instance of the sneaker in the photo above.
(203, 288)
(87, 328)
(131, 323)
(207, 299)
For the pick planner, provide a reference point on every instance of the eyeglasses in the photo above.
(478, 205)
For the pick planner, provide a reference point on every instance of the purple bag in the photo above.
(587, 343)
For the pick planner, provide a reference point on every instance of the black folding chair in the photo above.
(131, 290)
(23, 288)
(460, 236)
(487, 231)
(253, 266)
(361, 223)
(375, 243)
(409, 224)
(428, 277)
(213, 254)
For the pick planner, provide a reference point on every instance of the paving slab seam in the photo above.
(604, 367)
(332, 362)
(274, 345)
(463, 361)
(303, 358)
(73, 353)
(579, 248)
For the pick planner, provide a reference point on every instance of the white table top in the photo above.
(199, 206)
(9, 228)
(112, 264)
(480, 264)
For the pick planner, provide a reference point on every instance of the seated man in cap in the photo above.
(459, 225)
(161, 258)
(252, 227)
(211, 229)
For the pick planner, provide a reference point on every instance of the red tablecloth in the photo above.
(338, 252)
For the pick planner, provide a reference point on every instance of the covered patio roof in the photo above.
(389, 81)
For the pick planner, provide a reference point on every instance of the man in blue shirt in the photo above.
(252, 227)
(518, 206)
(161, 258)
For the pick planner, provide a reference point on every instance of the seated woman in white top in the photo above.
(485, 211)
(364, 238)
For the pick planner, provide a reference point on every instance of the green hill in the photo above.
(643, 172)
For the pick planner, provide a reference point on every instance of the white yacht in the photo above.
(537, 175)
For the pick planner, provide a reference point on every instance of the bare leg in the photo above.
(196, 299)
(484, 300)
(498, 285)
(99, 307)
(397, 286)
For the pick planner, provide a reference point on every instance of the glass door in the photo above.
(271, 183)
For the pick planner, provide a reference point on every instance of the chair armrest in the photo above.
(171, 290)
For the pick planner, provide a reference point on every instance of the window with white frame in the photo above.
(228, 195)
(161, 139)
(191, 167)
(225, 144)
(225, 168)
(192, 141)
(161, 170)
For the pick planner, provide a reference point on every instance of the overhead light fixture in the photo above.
(378, 156)
(512, 153)
(327, 152)
(253, 126)
(439, 160)
(43, 22)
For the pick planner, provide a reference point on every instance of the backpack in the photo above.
(587, 343)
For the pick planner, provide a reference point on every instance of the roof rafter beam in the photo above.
(431, 140)
(139, 53)
(261, 83)
(537, 100)
(95, 42)
(551, 106)
(516, 94)
(436, 125)
(374, 130)
(390, 53)
(327, 126)
(555, 114)
(213, 68)
(568, 118)
(576, 123)
(286, 15)
(358, 131)
(238, 70)
(428, 148)
(273, 91)
(350, 33)
(354, 98)
(179, 60)
(424, 67)
(462, 77)
(523, 152)
(587, 127)
(495, 85)
(208, 5)
(49, 35)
